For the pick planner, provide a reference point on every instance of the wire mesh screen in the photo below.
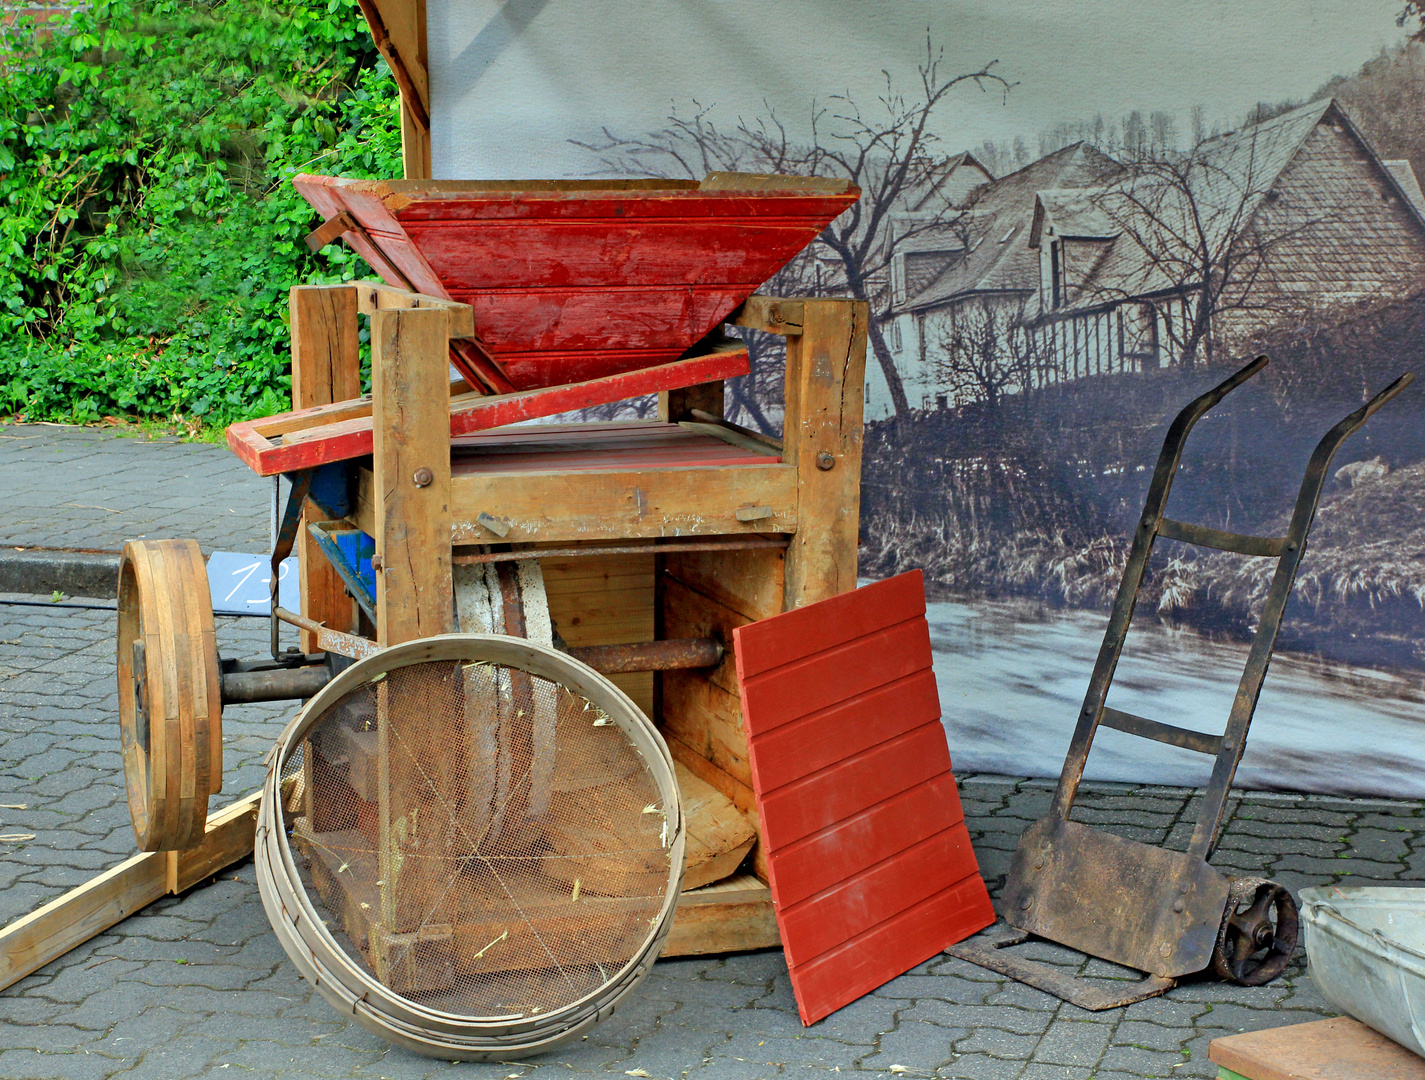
(483, 841)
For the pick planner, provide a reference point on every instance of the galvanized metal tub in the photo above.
(1366, 952)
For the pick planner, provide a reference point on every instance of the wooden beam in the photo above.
(50, 931)
(414, 597)
(326, 367)
(399, 29)
(770, 314)
(614, 505)
(825, 398)
(731, 916)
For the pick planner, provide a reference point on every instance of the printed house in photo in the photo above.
(1079, 265)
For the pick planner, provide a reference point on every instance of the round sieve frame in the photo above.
(351, 988)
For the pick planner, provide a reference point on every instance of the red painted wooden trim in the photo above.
(880, 892)
(817, 862)
(813, 629)
(354, 438)
(823, 679)
(847, 787)
(814, 742)
(858, 966)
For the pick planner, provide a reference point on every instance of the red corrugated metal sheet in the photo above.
(869, 858)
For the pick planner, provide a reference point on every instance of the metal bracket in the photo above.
(333, 537)
(286, 536)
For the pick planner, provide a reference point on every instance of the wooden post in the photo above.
(399, 29)
(825, 398)
(414, 598)
(410, 402)
(326, 367)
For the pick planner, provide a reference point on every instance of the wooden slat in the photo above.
(868, 856)
(847, 787)
(326, 367)
(826, 371)
(836, 623)
(573, 506)
(50, 931)
(1336, 1049)
(747, 582)
(708, 719)
(819, 681)
(732, 916)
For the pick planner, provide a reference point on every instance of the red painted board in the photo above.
(310, 446)
(868, 856)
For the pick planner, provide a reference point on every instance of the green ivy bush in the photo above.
(148, 229)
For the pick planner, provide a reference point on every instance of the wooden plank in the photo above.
(868, 856)
(707, 719)
(412, 530)
(731, 916)
(605, 600)
(50, 931)
(687, 613)
(718, 838)
(826, 371)
(817, 682)
(1336, 1049)
(747, 582)
(310, 439)
(573, 506)
(326, 367)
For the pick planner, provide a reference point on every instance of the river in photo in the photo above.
(1012, 678)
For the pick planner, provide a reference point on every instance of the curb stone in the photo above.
(40, 571)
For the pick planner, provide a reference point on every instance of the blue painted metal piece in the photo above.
(331, 488)
(349, 551)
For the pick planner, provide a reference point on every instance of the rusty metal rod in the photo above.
(750, 543)
(673, 655)
(278, 684)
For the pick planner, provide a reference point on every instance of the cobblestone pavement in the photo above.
(197, 985)
(93, 488)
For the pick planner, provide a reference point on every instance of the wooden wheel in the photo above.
(170, 709)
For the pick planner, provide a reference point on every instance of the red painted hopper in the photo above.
(584, 292)
(573, 280)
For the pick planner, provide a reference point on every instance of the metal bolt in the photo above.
(1039, 863)
(376, 562)
(1024, 904)
(824, 461)
(1178, 906)
(423, 477)
(1165, 949)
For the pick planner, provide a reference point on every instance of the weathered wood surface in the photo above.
(326, 367)
(398, 28)
(50, 931)
(734, 915)
(612, 505)
(717, 836)
(1336, 1049)
(576, 282)
(869, 858)
(826, 372)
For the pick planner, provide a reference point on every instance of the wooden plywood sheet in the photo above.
(1335, 1049)
(869, 859)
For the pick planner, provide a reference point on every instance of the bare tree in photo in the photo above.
(886, 148)
(986, 351)
(1198, 236)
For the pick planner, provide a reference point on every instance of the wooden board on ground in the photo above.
(1337, 1049)
(869, 858)
(50, 931)
(734, 915)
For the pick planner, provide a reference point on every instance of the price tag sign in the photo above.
(240, 584)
